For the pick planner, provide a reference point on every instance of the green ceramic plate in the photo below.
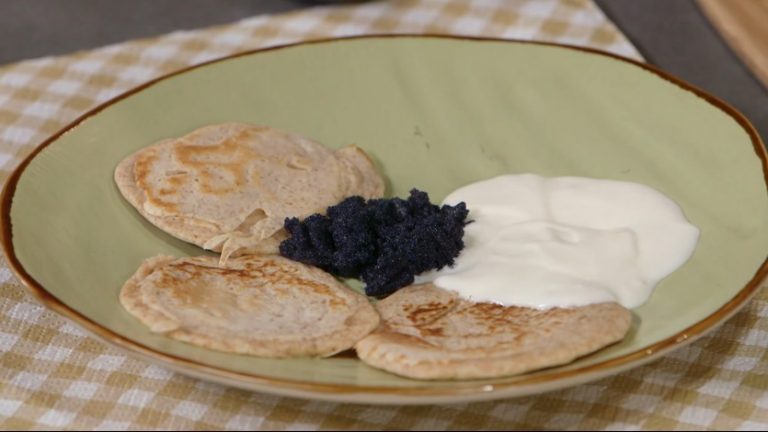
(436, 113)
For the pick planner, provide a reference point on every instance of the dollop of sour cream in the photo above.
(565, 241)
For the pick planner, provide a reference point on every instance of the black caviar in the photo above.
(383, 242)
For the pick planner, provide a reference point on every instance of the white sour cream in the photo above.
(565, 241)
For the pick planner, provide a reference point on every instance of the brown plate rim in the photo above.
(462, 388)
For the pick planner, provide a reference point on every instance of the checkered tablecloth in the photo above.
(53, 375)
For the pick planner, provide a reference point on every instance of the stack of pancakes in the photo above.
(229, 187)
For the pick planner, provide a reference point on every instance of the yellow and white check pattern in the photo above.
(53, 375)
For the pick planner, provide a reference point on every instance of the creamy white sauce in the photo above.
(565, 241)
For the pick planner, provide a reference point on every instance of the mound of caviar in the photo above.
(383, 242)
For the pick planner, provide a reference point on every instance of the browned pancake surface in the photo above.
(266, 306)
(229, 187)
(430, 333)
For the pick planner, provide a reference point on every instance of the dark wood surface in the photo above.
(672, 34)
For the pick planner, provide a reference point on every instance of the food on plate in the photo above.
(264, 305)
(512, 274)
(384, 242)
(565, 241)
(431, 333)
(229, 187)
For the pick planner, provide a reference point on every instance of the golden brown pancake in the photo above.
(430, 333)
(265, 306)
(229, 187)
